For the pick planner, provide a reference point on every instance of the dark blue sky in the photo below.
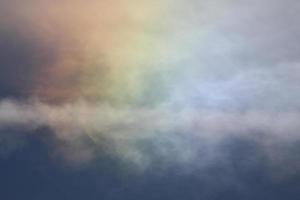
(31, 172)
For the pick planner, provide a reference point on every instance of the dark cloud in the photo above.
(22, 58)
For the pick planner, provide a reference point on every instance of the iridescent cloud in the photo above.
(175, 74)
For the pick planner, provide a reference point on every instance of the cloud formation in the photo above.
(151, 82)
(145, 137)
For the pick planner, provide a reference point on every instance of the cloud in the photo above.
(158, 136)
(165, 83)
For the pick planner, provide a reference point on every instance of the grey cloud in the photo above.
(146, 137)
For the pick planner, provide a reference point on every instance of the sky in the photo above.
(137, 99)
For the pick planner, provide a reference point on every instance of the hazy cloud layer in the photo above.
(167, 83)
(149, 137)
